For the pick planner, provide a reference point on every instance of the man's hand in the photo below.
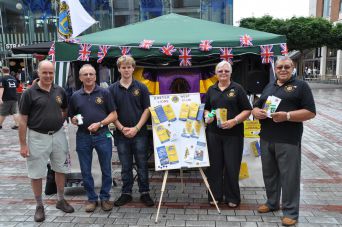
(94, 127)
(228, 124)
(259, 113)
(279, 116)
(130, 132)
(24, 151)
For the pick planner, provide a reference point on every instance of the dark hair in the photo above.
(179, 85)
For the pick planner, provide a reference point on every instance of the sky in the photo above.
(276, 8)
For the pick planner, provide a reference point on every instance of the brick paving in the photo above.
(321, 189)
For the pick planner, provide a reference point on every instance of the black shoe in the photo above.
(0, 126)
(123, 199)
(39, 215)
(14, 127)
(63, 205)
(146, 199)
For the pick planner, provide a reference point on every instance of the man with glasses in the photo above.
(92, 109)
(280, 139)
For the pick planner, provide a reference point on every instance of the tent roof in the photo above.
(180, 31)
(37, 48)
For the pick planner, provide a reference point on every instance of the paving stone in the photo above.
(322, 220)
(201, 223)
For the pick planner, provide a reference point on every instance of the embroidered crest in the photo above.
(290, 88)
(231, 93)
(59, 99)
(136, 92)
(99, 100)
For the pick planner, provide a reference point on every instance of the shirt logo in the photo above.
(231, 93)
(290, 88)
(136, 92)
(59, 99)
(175, 99)
(99, 100)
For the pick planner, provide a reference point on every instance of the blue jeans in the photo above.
(85, 144)
(127, 148)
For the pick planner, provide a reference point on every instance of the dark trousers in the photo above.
(225, 155)
(281, 165)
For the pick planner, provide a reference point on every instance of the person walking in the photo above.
(280, 139)
(42, 114)
(94, 104)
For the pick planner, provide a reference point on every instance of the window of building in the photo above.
(326, 8)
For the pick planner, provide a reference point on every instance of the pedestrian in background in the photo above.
(95, 109)
(42, 114)
(132, 101)
(225, 141)
(280, 140)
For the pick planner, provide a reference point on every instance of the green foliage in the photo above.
(301, 32)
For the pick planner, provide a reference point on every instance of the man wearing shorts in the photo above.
(8, 97)
(42, 113)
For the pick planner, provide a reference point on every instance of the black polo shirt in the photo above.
(130, 103)
(93, 107)
(9, 84)
(294, 94)
(234, 99)
(44, 109)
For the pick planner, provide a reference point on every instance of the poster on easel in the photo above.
(178, 131)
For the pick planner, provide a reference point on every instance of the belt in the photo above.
(85, 131)
(45, 132)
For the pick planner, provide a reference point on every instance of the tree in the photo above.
(301, 32)
(336, 37)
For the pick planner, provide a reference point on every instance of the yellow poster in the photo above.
(251, 128)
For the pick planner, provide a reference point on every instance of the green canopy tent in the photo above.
(180, 31)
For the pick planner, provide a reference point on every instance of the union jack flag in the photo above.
(52, 52)
(266, 54)
(146, 44)
(205, 45)
(185, 57)
(227, 55)
(125, 50)
(168, 49)
(103, 50)
(84, 52)
(246, 40)
(284, 50)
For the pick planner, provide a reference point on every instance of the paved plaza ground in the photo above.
(321, 189)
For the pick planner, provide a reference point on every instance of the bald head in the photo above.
(44, 63)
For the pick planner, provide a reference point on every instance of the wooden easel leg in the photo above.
(161, 194)
(207, 185)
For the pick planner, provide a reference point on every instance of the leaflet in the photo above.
(271, 105)
(184, 112)
(170, 114)
(193, 111)
(172, 154)
(160, 113)
(199, 150)
(154, 116)
(221, 116)
(162, 133)
(162, 154)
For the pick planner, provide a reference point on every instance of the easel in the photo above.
(164, 184)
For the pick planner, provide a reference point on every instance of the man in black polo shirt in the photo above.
(97, 109)
(42, 113)
(132, 101)
(280, 139)
(8, 97)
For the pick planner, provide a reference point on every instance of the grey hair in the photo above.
(222, 63)
(284, 58)
(85, 66)
(43, 62)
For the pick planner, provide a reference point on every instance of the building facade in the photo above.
(325, 60)
(26, 22)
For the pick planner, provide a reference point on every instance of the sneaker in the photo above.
(90, 206)
(63, 205)
(39, 215)
(265, 209)
(107, 205)
(15, 127)
(288, 221)
(123, 199)
(146, 199)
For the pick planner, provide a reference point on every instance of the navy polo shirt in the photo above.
(9, 84)
(234, 99)
(93, 107)
(43, 108)
(294, 94)
(131, 103)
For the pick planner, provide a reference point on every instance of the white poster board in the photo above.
(178, 131)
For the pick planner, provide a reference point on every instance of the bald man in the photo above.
(42, 113)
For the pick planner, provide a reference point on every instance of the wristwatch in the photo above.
(288, 116)
(101, 125)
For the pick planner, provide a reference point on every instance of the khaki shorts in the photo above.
(43, 147)
(9, 108)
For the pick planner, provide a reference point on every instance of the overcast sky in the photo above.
(275, 8)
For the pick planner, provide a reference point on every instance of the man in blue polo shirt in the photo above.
(132, 100)
(95, 108)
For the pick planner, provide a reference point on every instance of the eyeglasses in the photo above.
(223, 71)
(88, 74)
(286, 67)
